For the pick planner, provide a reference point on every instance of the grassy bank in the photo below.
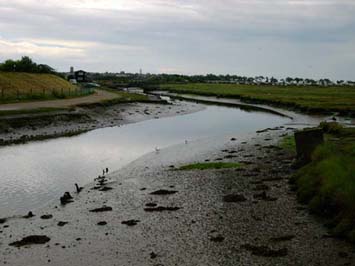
(327, 184)
(306, 98)
(122, 97)
(16, 87)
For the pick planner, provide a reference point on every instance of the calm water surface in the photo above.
(34, 174)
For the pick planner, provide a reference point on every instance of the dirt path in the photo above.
(99, 95)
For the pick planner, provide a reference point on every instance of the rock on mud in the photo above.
(61, 223)
(130, 222)
(102, 209)
(234, 198)
(161, 208)
(163, 192)
(30, 240)
(47, 216)
(265, 251)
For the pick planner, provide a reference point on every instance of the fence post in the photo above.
(18, 94)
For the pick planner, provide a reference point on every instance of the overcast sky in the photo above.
(306, 38)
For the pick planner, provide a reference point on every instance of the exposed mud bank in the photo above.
(22, 128)
(155, 215)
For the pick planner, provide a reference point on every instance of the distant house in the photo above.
(80, 76)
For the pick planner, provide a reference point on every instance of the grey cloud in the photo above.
(250, 37)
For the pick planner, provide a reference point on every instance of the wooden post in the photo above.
(306, 142)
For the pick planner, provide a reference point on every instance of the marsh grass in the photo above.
(288, 143)
(305, 98)
(212, 165)
(327, 184)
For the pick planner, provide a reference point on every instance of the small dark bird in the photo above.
(66, 198)
(78, 189)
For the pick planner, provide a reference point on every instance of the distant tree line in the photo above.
(150, 80)
(25, 64)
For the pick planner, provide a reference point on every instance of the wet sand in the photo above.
(244, 216)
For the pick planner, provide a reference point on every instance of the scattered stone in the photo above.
(343, 254)
(264, 196)
(66, 198)
(233, 139)
(29, 215)
(268, 179)
(261, 187)
(105, 189)
(161, 208)
(47, 216)
(3, 220)
(230, 156)
(282, 238)
(234, 198)
(102, 223)
(246, 162)
(262, 131)
(130, 222)
(102, 209)
(163, 192)
(265, 251)
(29, 240)
(217, 238)
(153, 255)
(143, 188)
(61, 223)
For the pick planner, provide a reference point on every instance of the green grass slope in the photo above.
(27, 86)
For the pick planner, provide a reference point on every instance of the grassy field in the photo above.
(28, 86)
(309, 98)
(327, 184)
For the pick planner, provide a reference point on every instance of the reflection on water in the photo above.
(35, 173)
